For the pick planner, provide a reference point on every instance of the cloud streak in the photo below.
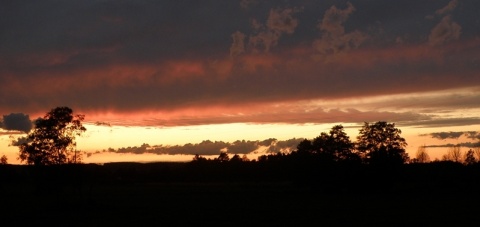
(454, 135)
(208, 147)
(446, 30)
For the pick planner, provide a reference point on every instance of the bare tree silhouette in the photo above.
(453, 154)
(476, 150)
(422, 155)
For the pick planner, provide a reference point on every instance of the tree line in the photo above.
(52, 142)
(328, 162)
(378, 143)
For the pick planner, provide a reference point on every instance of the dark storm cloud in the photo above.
(134, 150)
(446, 135)
(472, 135)
(447, 122)
(284, 145)
(97, 33)
(133, 56)
(16, 121)
(208, 147)
(454, 135)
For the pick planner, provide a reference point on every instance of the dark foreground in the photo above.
(182, 195)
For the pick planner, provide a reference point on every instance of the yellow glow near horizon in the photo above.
(102, 137)
(126, 136)
(98, 138)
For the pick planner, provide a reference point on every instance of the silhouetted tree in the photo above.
(53, 139)
(335, 145)
(470, 157)
(198, 158)
(3, 160)
(305, 147)
(236, 158)
(262, 158)
(381, 143)
(223, 157)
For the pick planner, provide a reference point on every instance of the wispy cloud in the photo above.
(238, 45)
(445, 135)
(334, 39)
(448, 8)
(453, 135)
(279, 22)
(446, 30)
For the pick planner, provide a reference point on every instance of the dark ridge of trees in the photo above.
(328, 162)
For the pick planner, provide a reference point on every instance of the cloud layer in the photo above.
(164, 63)
(208, 147)
(473, 135)
(16, 122)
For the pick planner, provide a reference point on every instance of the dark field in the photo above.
(166, 195)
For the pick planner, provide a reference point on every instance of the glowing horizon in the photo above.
(245, 70)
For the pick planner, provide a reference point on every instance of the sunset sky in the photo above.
(187, 77)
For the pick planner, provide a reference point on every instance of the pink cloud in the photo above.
(239, 87)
